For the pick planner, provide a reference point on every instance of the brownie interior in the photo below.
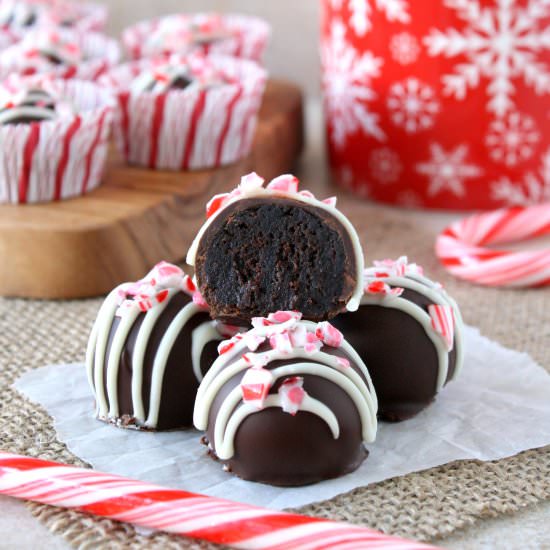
(277, 254)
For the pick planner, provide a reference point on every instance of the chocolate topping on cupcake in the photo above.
(32, 105)
(409, 333)
(275, 248)
(177, 76)
(19, 15)
(287, 403)
(53, 48)
(179, 33)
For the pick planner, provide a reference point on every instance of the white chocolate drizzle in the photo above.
(285, 186)
(334, 368)
(98, 365)
(411, 278)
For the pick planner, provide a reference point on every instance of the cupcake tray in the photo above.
(83, 247)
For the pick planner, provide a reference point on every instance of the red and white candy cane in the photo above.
(180, 512)
(462, 247)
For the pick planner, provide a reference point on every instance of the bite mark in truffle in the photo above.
(268, 249)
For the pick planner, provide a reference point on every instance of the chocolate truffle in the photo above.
(288, 403)
(32, 105)
(276, 248)
(409, 333)
(53, 48)
(149, 348)
(16, 15)
(163, 79)
(180, 33)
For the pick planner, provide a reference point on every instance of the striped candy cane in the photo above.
(462, 247)
(180, 512)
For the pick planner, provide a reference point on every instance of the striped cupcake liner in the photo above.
(61, 158)
(189, 129)
(250, 36)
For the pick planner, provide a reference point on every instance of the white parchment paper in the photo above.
(498, 406)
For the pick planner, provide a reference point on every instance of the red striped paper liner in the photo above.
(100, 52)
(189, 129)
(463, 248)
(249, 41)
(61, 158)
(181, 512)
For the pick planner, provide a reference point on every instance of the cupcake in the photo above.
(61, 53)
(82, 17)
(230, 34)
(186, 112)
(54, 139)
(19, 17)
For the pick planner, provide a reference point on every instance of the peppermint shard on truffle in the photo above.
(150, 346)
(409, 332)
(273, 247)
(287, 403)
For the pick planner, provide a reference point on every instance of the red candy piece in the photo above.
(292, 394)
(330, 335)
(286, 183)
(215, 203)
(443, 323)
(255, 386)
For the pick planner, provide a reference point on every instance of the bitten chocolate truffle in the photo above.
(409, 332)
(149, 348)
(276, 248)
(288, 403)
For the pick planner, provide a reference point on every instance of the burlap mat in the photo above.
(428, 505)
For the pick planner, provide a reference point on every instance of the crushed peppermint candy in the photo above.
(284, 332)
(155, 287)
(252, 184)
(328, 334)
(380, 288)
(255, 386)
(292, 394)
(396, 268)
(443, 322)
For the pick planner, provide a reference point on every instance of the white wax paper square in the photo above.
(497, 407)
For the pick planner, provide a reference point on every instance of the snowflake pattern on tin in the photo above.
(500, 44)
(385, 165)
(347, 86)
(448, 170)
(412, 105)
(533, 189)
(512, 139)
(361, 12)
(404, 48)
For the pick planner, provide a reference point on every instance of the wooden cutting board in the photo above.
(84, 247)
